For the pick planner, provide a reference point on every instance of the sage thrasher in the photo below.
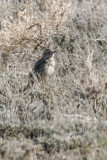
(43, 67)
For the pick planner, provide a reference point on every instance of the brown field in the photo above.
(66, 117)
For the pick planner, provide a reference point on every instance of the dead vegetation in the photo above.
(67, 116)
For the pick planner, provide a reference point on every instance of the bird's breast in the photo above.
(50, 66)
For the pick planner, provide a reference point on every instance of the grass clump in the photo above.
(66, 117)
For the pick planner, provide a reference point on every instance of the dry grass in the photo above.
(67, 116)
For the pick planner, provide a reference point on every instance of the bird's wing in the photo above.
(39, 65)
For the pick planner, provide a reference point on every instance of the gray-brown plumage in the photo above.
(42, 68)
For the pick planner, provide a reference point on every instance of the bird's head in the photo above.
(47, 54)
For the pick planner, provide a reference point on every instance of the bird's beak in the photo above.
(53, 51)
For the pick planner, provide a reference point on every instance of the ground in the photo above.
(66, 116)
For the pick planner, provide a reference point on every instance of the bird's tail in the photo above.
(30, 82)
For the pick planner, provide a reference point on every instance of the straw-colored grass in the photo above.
(66, 117)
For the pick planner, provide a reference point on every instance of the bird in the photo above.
(43, 68)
